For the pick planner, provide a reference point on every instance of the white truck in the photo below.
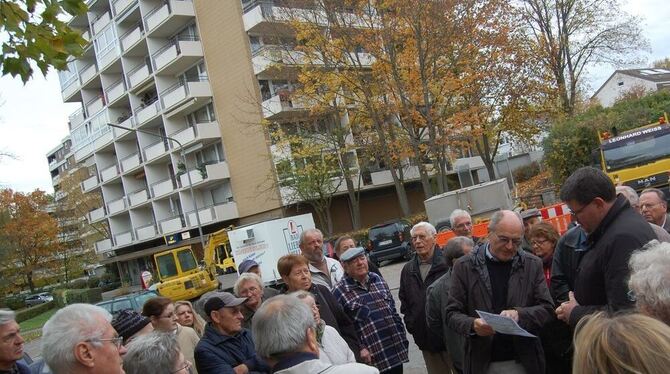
(266, 242)
(480, 200)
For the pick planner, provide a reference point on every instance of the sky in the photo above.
(33, 117)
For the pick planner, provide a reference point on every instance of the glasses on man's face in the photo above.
(250, 290)
(648, 206)
(187, 366)
(515, 242)
(577, 212)
(117, 341)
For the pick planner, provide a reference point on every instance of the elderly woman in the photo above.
(332, 348)
(650, 280)
(294, 270)
(157, 353)
(250, 285)
(161, 312)
(345, 242)
(543, 238)
(186, 316)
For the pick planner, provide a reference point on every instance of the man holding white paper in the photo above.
(502, 279)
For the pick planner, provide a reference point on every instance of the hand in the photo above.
(241, 369)
(365, 356)
(563, 312)
(511, 313)
(482, 328)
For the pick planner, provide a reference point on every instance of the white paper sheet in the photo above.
(504, 325)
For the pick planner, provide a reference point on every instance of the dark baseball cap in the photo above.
(222, 300)
(246, 265)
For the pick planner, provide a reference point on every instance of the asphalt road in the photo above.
(391, 273)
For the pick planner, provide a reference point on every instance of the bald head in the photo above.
(505, 233)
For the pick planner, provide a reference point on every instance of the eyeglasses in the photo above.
(515, 242)
(250, 290)
(579, 211)
(648, 206)
(187, 366)
(117, 341)
(538, 242)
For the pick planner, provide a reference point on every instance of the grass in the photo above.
(38, 321)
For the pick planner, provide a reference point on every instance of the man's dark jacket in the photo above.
(527, 292)
(412, 295)
(600, 283)
(217, 353)
(437, 297)
(569, 251)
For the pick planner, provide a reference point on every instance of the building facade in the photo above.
(623, 81)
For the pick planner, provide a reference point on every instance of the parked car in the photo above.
(389, 241)
(133, 301)
(37, 299)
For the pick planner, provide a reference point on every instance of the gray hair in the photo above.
(629, 193)
(658, 193)
(498, 216)
(65, 329)
(7, 316)
(307, 232)
(246, 277)
(280, 326)
(156, 352)
(650, 279)
(302, 294)
(454, 248)
(458, 213)
(430, 229)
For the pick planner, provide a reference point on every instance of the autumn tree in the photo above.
(663, 63)
(572, 35)
(34, 32)
(28, 235)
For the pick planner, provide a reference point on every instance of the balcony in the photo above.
(115, 90)
(88, 73)
(110, 172)
(177, 56)
(221, 212)
(89, 183)
(163, 187)
(169, 17)
(131, 37)
(172, 224)
(155, 150)
(200, 131)
(95, 105)
(100, 23)
(281, 105)
(109, 55)
(182, 96)
(116, 206)
(103, 246)
(266, 18)
(130, 162)
(96, 215)
(145, 232)
(120, 5)
(77, 118)
(70, 87)
(138, 74)
(210, 172)
(128, 122)
(138, 197)
(123, 238)
(148, 112)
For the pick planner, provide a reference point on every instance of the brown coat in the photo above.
(527, 293)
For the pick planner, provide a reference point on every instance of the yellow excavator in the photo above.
(180, 277)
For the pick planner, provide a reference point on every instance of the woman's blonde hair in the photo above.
(198, 322)
(623, 344)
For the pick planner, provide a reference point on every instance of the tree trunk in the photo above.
(354, 203)
(29, 280)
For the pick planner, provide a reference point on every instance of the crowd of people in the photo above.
(593, 300)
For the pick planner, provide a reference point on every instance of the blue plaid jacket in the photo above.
(378, 325)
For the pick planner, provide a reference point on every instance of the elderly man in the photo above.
(500, 278)
(634, 200)
(424, 268)
(366, 297)
(654, 207)
(80, 339)
(461, 224)
(250, 286)
(11, 344)
(226, 347)
(614, 230)
(650, 280)
(325, 271)
(438, 296)
(531, 217)
(285, 334)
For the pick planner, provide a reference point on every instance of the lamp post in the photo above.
(188, 174)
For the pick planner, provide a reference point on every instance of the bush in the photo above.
(72, 296)
(34, 311)
(110, 286)
(92, 282)
(526, 172)
(15, 302)
(78, 284)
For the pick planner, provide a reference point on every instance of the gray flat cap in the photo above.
(352, 253)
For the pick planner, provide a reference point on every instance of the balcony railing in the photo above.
(155, 150)
(147, 231)
(78, 117)
(173, 49)
(103, 246)
(120, 5)
(213, 171)
(87, 73)
(96, 214)
(172, 224)
(159, 14)
(138, 74)
(101, 22)
(95, 104)
(109, 172)
(181, 90)
(117, 205)
(163, 187)
(89, 183)
(123, 238)
(130, 162)
(138, 196)
(115, 90)
(147, 112)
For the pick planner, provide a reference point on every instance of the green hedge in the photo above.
(87, 295)
(34, 311)
(14, 302)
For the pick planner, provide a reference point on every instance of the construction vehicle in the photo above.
(639, 158)
(218, 246)
(180, 277)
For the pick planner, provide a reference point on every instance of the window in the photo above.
(210, 155)
(189, 32)
(186, 260)
(166, 265)
(202, 115)
(105, 41)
